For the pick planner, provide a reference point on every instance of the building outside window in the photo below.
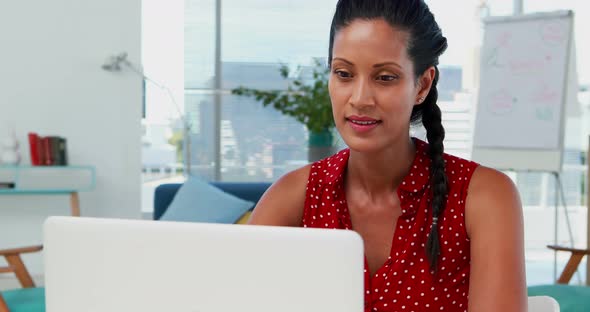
(261, 144)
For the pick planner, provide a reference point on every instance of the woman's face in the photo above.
(372, 85)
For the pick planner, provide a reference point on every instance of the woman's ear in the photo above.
(424, 84)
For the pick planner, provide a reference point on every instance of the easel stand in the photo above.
(559, 199)
(588, 212)
(559, 191)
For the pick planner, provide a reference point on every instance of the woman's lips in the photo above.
(362, 124)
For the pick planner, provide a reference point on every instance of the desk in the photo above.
(49, 180)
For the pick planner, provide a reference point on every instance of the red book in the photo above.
(35, 149)
(46, 151)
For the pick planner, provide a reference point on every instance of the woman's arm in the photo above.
(494, 224)
(282, 204)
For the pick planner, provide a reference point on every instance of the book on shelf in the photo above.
(6, 185)
(48, 150)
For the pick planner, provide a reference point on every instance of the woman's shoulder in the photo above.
(491, 195)
(458, 164)
(478, 176)
(284, 201)
(459, 171)
(490, 182)
(282, 204)
(294, 178)
(315, 171)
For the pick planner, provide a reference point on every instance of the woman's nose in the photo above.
(362, 94)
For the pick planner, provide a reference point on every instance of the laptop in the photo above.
(113, 265)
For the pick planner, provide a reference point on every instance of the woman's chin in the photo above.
(364, 145)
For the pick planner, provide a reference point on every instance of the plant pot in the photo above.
(321, 145)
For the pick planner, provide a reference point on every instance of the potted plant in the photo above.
(308, 102)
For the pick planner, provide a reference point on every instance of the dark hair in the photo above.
(426, 43)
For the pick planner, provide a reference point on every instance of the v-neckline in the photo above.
(368, 274)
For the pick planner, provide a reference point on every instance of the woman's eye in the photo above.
(342, 74)
(387, 77)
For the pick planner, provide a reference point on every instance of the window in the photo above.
(253, 145)
(262, 144)
(540, 213)
(163, 63)
(258, 143)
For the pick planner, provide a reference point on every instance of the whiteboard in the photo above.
(525, 83)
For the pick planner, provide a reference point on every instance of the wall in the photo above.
(163, 62)
(51, 82)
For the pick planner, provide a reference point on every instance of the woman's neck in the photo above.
(380, 172)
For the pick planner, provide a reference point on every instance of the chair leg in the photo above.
(570, 268)
(20, 271)
(3, 305)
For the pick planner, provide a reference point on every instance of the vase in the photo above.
(321, 145)
(10, 153)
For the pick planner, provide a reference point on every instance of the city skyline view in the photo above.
(261, 144)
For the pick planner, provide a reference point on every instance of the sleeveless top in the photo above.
(404, 282)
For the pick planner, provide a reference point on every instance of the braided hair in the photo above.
(426, 43)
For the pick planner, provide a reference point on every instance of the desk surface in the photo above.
(48, 180)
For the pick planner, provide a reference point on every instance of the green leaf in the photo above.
(307, 103)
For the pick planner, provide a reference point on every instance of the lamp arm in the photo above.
(140, 72)
(114, 64)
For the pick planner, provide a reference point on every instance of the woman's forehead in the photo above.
(370, 40)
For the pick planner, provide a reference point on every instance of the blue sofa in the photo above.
(251, 191)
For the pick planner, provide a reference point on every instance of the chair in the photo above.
(3, 305)
(571, 298)
(542, 304)
(23, 300)
(16, 265)
(29, 298)
(572, 264)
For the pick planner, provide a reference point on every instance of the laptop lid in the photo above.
(135, 265)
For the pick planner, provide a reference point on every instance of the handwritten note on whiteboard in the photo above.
(523, 77)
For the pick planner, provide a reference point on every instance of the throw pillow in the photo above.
(199, 201)
(245, 218)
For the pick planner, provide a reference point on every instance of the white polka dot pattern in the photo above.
(405, 281)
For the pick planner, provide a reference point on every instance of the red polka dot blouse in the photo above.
(405, 282)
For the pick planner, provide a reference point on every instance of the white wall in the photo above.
(51, 82)
(163, 62)
(163, 58)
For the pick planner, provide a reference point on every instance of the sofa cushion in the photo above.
(25, 299)
(245, 218)
(250, 191)
(199, 201)
(570, 298)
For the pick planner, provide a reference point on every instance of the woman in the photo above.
(440, 232)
